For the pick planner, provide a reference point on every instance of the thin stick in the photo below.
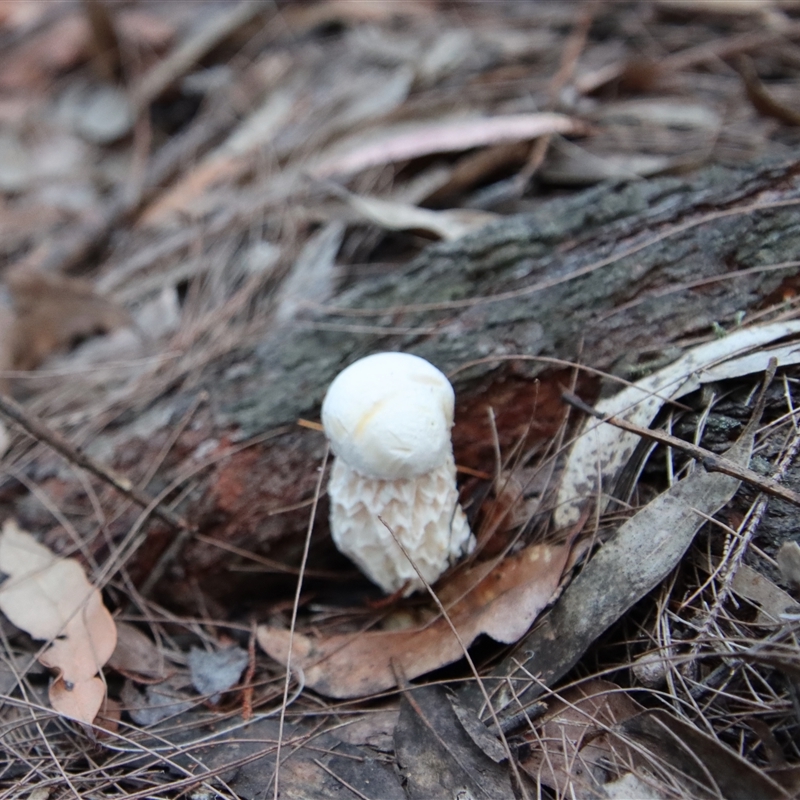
(711, 461)
(36, 428)
(293, 624)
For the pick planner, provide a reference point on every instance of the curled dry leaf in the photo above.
(502, 604)
(446, 137)
(136, 655)
(51, 598)
(601, 450)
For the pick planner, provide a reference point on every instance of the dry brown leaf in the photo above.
(445, 137)
(51, 598)
(109, 716)
(502, 604)
(136, 655)
(81, 701)
(571, 750)
(53, 312)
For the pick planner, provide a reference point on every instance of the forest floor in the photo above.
(185, 184)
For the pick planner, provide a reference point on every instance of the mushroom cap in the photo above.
(389, 416)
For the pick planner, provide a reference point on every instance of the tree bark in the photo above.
(606, 276)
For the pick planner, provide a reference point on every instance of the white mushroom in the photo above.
(388, 418)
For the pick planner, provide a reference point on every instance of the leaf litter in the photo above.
(200, 229)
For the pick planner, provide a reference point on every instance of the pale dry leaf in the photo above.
(100, 114)
(218, 671)
(396, 216)
(428, 138)
(51, 598)
(665, 113)
(575, 166)
(629, 786)
(374, 729)
(601, 450)
(311, 278)
(772, 601)
(502, 605)
(789, 563)
(721, 7)
(137, 654)
(156, 703)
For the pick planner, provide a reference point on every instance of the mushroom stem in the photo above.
(423, 513)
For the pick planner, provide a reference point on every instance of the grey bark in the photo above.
(606, 316)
